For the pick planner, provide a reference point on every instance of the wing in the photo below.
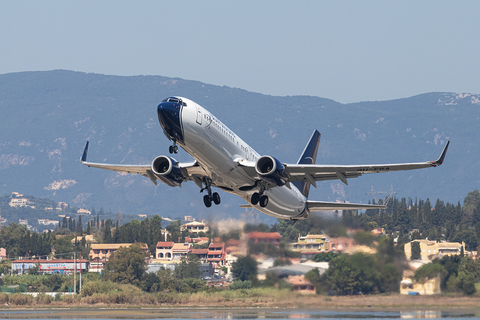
(330, 206)
(191, 170)
(312, 172)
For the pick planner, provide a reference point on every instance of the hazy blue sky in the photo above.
(348, 51)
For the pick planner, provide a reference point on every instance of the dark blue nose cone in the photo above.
(170, 118)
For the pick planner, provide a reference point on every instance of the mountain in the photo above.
(46, 118)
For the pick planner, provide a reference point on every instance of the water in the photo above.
(212, 313)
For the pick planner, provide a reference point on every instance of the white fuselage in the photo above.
(218, 151)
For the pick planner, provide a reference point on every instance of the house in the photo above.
(63, 266)
(180, 250)
(3, 253)
(101, 252)
(378, 231)
(265, 237)
(18, 202)
(300, 284)
(430, 250)
(164, 250)
(47, 222)
(311, 244)
(194, 227)
(84, 212)
(201, 254)
(409, 285)
(88, 238)
(216, 253)
(342, 244)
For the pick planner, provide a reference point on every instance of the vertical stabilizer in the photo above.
(309, 156)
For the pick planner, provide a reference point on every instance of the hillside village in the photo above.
(217, 248)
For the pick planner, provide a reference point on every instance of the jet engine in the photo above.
(271, 170)
(167, 170)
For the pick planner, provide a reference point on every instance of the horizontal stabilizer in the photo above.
(330, 206)
(246, 206)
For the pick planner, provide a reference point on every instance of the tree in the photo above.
(468, 275)
(188, 268)
(126, 265)
(415, 250)
(245, 268)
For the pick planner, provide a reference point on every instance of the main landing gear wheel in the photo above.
(173, 149)
(216, 198)
(207, 200)
(263, 201)
(255, 198)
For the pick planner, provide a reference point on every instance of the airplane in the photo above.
(224, 161)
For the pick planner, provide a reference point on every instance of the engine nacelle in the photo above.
(271, 170)
(167, 170)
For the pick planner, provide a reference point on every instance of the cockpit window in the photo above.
(175, 100)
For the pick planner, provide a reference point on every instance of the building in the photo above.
(430, 250)
(18, 202)
(342, 244)
(23, 222)
(180, 250)
(409, 286)
(216, 253)
(62, 266)
(101, 252)
(265, 237)
(201, 254)
(300, 284)
(84, 212)
(164, 250)
(3, 253)
(88, 238)
(311, 244)
(47, 222)
(194, 227)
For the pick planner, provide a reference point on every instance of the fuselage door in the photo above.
(199, 116)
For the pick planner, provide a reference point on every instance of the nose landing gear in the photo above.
(208, 198)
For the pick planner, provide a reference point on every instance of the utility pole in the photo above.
(75, 272)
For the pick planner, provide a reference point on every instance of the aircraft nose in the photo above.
(169, 116)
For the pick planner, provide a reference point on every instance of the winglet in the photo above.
(442, 156)
(85, 151)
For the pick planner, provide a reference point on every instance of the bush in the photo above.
(20, 299)
(239, 284)
(43, 299)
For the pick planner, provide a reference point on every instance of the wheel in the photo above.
(216, 198)
(207, 201)
(175, 149)
(255, 198)
(170, 149)
(263, 201)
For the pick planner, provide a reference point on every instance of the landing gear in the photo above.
(259, 197)
(208, 198)
(216, 198)
(173, 149)
(263, 201)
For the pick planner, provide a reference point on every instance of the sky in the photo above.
(348, 51)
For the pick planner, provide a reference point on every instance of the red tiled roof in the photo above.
(216, 245)
(165, 244)
(199, 251)
(264, 235)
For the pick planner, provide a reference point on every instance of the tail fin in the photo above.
(309, 156)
